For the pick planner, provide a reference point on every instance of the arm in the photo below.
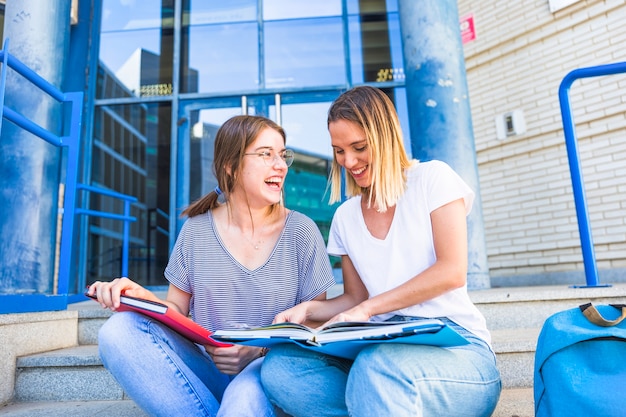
(449, 271)
(320, 310)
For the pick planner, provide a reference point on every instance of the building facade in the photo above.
(521, 52)
(160, 77)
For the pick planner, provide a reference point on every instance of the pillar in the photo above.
(439, 108)
(38, 34)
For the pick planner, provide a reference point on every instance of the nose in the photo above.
(349, 160)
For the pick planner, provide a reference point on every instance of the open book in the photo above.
(345, 339)
(171, 318)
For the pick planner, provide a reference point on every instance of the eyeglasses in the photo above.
(270, 158)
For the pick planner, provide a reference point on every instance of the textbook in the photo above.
(345, 339)
(171, 318)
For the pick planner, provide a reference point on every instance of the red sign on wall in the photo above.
(468, 31)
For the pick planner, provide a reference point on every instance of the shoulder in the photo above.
(299, 222)
(426, 169)
(433, 173)
(195, 222)
(195, 226)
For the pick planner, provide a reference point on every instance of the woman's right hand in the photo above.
(108, 293)
(296, 314)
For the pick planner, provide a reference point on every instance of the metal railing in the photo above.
(71, 141)
(569, 129)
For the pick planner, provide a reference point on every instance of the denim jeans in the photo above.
(167, 375)
(385, 380)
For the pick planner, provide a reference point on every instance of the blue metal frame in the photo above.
(16, 303)
(569, 129)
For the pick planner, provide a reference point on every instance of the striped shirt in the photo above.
(224, 292)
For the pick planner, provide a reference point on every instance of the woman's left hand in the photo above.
(231, 360)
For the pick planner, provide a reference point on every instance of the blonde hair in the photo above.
(374, 112)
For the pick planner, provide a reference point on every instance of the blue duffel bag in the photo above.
(580, 363)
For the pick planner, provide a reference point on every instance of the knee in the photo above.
(116, 332)
(274, 370)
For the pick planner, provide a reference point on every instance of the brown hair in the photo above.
(231, 141)
(374, 112)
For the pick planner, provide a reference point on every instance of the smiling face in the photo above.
(263, 180)
(351, 150)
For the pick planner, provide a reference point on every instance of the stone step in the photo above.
(70, 374)
(75, 374)
(529, 307)
(117, 408)
(517, 402)
(514, 316)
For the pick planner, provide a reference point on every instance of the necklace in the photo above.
(256, 245)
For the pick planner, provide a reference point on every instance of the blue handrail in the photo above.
(569, 129)
(72, 143)
(126, 217)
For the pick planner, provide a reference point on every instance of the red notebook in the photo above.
(171, 318)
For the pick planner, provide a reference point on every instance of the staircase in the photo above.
(72, 382)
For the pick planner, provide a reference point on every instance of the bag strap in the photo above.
(594, 316)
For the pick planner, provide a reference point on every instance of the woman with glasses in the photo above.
(241, 258)
(403, 242)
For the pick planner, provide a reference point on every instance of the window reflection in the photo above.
(375, 47)
(293, 59)
(203, 12)
(136, 45)
(131, 155)
(293, 9)
(222, 57)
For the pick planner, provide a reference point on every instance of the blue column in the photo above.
(38, 34)
(439, 109)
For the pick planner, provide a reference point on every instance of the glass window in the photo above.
(304, 53)
(131, 155)
(202, 12)
(222, 57)
(375, 48)
(136, 42)
(369, 6)
(294, 9)
(219, 46)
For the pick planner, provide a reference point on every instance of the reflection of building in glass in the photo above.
(131, 157)
(120, 147)
(201, 152)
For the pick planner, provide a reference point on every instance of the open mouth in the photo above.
(358, 172)
(274, 182)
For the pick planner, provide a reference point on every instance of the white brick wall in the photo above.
(518, 60)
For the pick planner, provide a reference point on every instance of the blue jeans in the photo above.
(385, 380)
(167, 375)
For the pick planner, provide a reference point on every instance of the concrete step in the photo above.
(70, 374)
(119, 408)
(513, 403)
(77, 374)
(529, 307)
(514, 316)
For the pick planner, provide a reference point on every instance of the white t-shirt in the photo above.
(408, 248)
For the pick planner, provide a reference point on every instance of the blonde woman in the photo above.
(403, 242)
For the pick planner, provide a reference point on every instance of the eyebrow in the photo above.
(269, 148)
(355, 143)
